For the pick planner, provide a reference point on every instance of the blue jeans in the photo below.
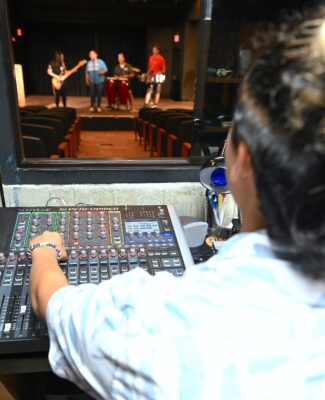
(96, 92)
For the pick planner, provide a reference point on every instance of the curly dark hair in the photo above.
(280, 115)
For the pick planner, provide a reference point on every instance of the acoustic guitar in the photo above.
(57, 83)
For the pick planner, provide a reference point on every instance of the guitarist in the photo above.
(56, 69)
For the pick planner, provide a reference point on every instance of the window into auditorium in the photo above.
(143, 68)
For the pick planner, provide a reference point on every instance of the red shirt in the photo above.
(157, 64)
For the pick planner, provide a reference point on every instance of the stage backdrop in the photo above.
(35, 49)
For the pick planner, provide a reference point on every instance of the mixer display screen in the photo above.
(101, 242)
(142, 226)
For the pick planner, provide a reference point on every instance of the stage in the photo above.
(82, 104)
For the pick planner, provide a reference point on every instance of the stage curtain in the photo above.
(36, 48)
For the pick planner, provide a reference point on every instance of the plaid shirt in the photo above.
(243, 325)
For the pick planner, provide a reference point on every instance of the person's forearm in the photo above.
(45, 279)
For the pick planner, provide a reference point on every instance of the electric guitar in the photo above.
(57, 83)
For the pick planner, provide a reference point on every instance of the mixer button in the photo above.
(131, 235)
(75, 235)
(133, 252)
(89, 213)
(124, 268)
(73, 254)
(113, 253)
(89, 235)
(7, 328)
(93, 253)
(22, 310)
(142, 252)
(115, 220)
(89, 220)
(89, 228)
(83, 254)
(157, 233)
(103, 253)
(103, 235)
(104, 276)
(122, 253)
(18, 237)
(2, 257)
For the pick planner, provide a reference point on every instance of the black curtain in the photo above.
(36, 49)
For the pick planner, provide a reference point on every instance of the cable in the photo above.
(55, 198)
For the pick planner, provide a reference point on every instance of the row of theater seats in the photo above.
(52, 133)
(165, 133)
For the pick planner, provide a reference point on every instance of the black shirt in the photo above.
(56, 69)
(126, 70)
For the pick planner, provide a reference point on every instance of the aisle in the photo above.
(110, 144)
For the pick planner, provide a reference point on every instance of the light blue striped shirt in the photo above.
(243, 325)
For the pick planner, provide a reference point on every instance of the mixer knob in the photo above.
(133, 253)
(33, 228)
(32, 235)
(20, 229)
(49, 221)
(89, 213)
(2, 257)
(102, 234)
(83, 254)
(89, 220)
(148, 234)
(142, 252)
(62, 214)
(122, 253)
(102, 220)
(62, 228)
(161, 212)
(157, 233)
(18, 237)
(76, 214)
(37, 216)
(76, 221)
(140, 233)
(115, 220)
(113, 253)
(102, 213)
(89, 228)
(131, 235)
(73, 254)
(75, 235)
(11, 256)
(35, 221)
(89, 235)
(102, 227)
(93, 253)
(76, 228)
(115, 227)
(22, 255)
(103, 253)
(63, 221)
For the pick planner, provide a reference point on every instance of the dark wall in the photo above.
(34, 50)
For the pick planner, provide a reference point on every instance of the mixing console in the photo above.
(100, 241)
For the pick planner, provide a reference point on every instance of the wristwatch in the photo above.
(47, 244)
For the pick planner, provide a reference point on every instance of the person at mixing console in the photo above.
(248, 323)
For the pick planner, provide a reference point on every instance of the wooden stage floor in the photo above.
(81, 104)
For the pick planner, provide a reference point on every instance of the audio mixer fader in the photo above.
(100, 241)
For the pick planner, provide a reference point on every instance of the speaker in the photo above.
(194, 229)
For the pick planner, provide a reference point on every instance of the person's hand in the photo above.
(52, 237)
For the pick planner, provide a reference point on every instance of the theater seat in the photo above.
(34, 148)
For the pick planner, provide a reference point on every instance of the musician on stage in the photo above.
(95, 79)
(125, 70)
(156, 65)
(56, 69)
